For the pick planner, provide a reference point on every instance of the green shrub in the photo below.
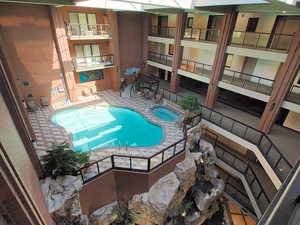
(190, 103)
(61, 160)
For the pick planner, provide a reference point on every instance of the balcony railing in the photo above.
(196, 67)
(262, 40)
(248, 81)
(294, 94)
(160, 58)
(224, 153)
(168, 32)
(131, 163)
(93, 62)
(102, 31)
(201, 34)
(273, 156)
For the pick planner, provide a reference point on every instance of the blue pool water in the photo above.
(98, 127)
(165, 114)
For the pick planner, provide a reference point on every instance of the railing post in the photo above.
(112, 161)
(149, 164)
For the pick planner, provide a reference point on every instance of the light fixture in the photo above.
(283, 11)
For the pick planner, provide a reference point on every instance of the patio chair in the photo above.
(32, 106)
(44, 101)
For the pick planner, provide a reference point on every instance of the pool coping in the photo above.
(129, 150)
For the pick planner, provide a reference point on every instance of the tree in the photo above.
(61, 160)
(190, 103)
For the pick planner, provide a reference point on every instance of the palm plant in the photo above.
(190, 103)
(61, 160)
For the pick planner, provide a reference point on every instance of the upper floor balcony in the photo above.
(275, 41)
(201, 34)
(161, 31)
(88, 63)
(88, 31)
(160, 58)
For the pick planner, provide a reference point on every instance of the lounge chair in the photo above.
(32, 106)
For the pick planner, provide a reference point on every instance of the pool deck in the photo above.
(48, 133)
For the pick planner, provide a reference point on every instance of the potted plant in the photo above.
(61, 160)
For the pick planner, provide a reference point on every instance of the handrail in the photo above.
(149, 163)
(197, 67)
(86, 61)
(247, 171)
(199, 34)
(262, 39)
(163, 31)
(160, 58)
(77, 29)
(274, 157)
(294, 94)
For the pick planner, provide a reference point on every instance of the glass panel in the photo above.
(95, 50)
(282, 169)
(255, 188)
(79, 50)
(91, 18)
(139, 164)
(73, 18)
(82, 18)
(273, 156)
(122, 162)
(87, 50)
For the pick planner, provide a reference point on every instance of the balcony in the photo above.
(88, 32)
(201, 34)
(239, 79)
(93, 62)
(160, 58)
(294, 94)
(262, 40)
(167, 32)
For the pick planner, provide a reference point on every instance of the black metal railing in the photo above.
(103, 30)
(248, 81)
(274, 157)
(196, 67)
(226, 155)
(239, 196)
(131, 163)
(262, 40)
(201, 34)
(294, 94)
(168, 32)
(160, 58)
(92, 61)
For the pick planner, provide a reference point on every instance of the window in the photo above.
(190, 21)
(91, 76)
(171, 49)
(252, 24)
(229, 61)
(82, 18)
(87, 50)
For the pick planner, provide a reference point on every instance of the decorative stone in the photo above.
(154, 206)
(105, 215)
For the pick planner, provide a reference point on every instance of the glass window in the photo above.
(229, 61)
(87, 76)
(87, 50)
(82, 18)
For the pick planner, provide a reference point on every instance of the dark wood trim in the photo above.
(14, 105)
(19, 191)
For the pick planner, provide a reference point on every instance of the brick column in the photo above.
(63, 51)
(115, 77)
(228, 24)
(178, 49)
(283, 82)
(146, 24)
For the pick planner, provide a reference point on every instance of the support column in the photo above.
(115, 77)
(228, 24)
(146, 24)
(63, 51)
(283, 82)
(178, 50)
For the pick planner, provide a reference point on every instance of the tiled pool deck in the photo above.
(48, 133)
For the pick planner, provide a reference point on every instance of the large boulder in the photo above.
(62, 197)
(154, 206)
(186, 174)
(105, 215)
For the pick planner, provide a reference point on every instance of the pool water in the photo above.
(165, 114)
(97, 127)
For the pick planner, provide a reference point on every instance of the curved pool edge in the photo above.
(150, 120)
